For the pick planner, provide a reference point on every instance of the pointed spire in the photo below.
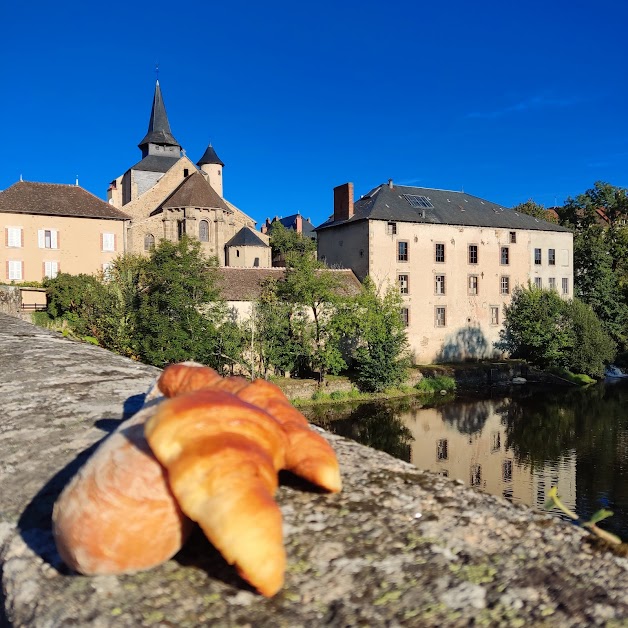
(158, 127)
(209, 157)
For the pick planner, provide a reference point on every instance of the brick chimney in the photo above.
(298, 223)
(343, 201)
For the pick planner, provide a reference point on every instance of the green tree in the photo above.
(593, 348)
(314, 290)
(532, 208)
(286, 242)
(381, 356)
(536, 327)
(180, 307)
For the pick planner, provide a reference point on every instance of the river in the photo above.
(516, 444)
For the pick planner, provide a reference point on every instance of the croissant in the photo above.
(308, 455)
(222, 456)
(118, 514)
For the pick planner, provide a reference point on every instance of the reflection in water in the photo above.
(516, 447)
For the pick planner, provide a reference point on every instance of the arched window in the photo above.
(203, 231)
(149, 242)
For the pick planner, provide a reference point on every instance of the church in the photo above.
(167, 195)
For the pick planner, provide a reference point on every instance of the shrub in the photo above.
(436, 384)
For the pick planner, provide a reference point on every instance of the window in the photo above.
(496, 441)
(507, 470)
(180, 229)
(473, 285)
(108, 242)
(552, 283)
(504, 285)
(538, 282)
(391, 228)
(564, 257)
(186, 172)
(440, 317)
(476, 475)
(404, 287)
(51, 269)
(442, 450)
(439, 284)
(405, 316)
(507, 494)
(473, 253)
(537, 257)
(149, 242)
(494, 315)
(14, 237)
(512, 237)
(565, 285)
(203, 231)
(504, 256)
(402, 251)
(15, 270)
(106, 270)
(439, 253)
(48, 239)
(551, 257)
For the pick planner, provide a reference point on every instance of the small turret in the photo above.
(212, 166)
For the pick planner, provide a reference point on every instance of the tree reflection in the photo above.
(467, 418)
(375, 425)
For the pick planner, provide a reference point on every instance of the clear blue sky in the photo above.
(508, 101)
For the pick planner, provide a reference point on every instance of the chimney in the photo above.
(299, 223)
(390, 184)
(343, 201)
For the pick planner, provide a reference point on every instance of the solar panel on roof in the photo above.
(418, 201)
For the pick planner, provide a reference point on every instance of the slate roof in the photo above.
(209, 157)
(155, 163)
(245, 284)
(448, 208)
(290, 222)
(53, 199)
(158, 127)
(246, 237)
(195, 191)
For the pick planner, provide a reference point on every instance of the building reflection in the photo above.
(468, 442)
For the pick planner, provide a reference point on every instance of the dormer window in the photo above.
(186, 172)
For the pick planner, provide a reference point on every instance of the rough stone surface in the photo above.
(398, 547)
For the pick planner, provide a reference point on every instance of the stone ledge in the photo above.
(398, 547)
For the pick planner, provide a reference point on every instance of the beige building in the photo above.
(455, 258)
(50, 228)
(167, 195)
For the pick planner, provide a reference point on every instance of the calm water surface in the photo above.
(515, 444)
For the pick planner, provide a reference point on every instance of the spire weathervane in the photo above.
(157, 71)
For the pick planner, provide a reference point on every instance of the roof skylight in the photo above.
(418, 201)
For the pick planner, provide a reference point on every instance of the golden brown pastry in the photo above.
(308, 454)
(222, 456)
(118, 513)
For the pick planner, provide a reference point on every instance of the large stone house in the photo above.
(167, 195)
(48, 228)
(455, 258)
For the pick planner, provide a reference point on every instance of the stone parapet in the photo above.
(398, 547)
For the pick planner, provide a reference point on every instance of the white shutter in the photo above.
(41, 239)
(51, 269)
(53, 239)
(15, 237)
(15, 271)
(564, 257)
(107, 242)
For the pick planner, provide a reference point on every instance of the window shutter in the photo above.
(54, 239)
(6, 237)
(7, 269)
(115, 242)
(43, 269)
(21, 271)
(102, 242)
(41, 239)
(22, 238)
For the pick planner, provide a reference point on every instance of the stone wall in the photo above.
(10, 300)
(397, 547)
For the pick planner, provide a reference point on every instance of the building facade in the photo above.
(454, 257)
(50, 228)
(167, 195)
